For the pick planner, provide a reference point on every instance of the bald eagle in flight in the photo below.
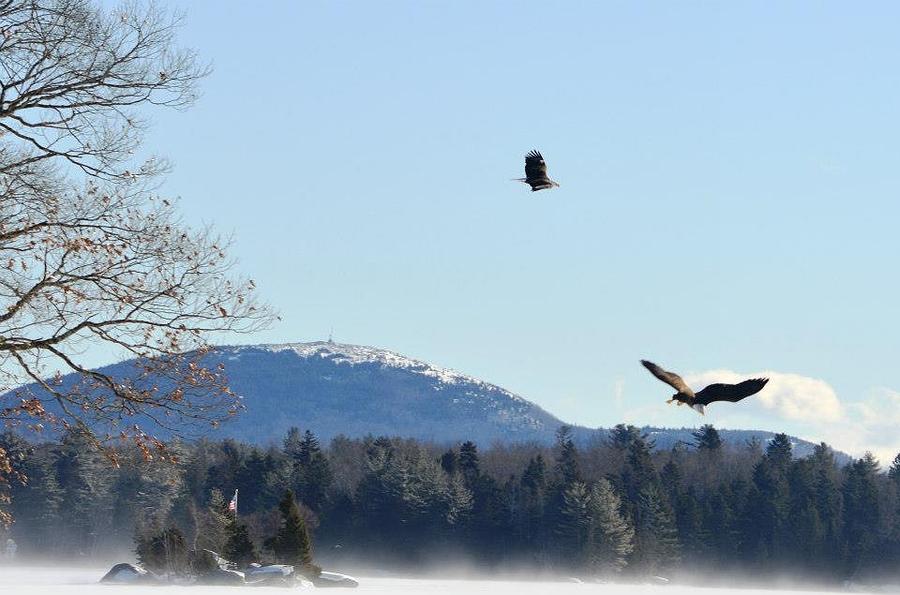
(714, 392)
(536, 173)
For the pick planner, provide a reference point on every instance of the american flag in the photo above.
(232, 506)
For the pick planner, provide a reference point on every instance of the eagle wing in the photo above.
(730, 392)
(535, 167)
(670, 378)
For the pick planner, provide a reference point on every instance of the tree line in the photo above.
(613, 506)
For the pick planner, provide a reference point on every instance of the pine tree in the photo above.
(621, 436)
(894, 471)
(779, 452)
(720, 525)
(213, 526)
(566, 474)
(670, 477)
(239, 548)
(450, 462)
(468, 462)
(805, 530)
(575, 529)
(763, 519)
(531, 496)
(293, 442)
(459, 502)
(862, 514)
(35, 495)
(311, 474)
(656, 540)
(707, 439)
(829, 505)
(488, 521)
(85, 479)
(250, 480)
(894, 507)
(568, 469)
(162, 550)
(613, 537)
(291, 545)
(638, 472)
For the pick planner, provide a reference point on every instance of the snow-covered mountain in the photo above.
(332, 388)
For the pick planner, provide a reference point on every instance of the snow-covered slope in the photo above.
(335, 388)
(359, 354)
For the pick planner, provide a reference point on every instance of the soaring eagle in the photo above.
(536, 173)
(714, 392)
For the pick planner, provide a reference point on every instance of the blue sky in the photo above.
(728, 200)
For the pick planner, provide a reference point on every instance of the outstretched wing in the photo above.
(670, 378)
(535, 167)
(730, 392)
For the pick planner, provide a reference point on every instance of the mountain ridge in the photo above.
(354, 390)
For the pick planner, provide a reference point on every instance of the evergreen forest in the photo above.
(614, 507)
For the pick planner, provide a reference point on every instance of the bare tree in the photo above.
(88, 253)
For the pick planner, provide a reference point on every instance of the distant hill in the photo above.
(334, 388)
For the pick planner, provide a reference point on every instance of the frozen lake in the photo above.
(80, 581)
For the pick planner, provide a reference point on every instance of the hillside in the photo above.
(354, 390)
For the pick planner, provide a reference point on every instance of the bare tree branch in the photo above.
(88, 253)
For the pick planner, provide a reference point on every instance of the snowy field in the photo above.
(80, 581)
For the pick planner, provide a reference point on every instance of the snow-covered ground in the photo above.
(82, 581)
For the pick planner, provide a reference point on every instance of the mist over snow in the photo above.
(43, 580)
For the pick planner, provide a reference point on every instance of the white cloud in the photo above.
(881, 408)
(868, 424)
(791, 396)
(871, 425)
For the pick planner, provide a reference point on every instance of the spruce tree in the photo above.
(458, 502)
(670, 477)
(489, 521)
(720, 523)
(531, 497)
(894, 471)
(450, 462)
(311, 474)
(621, 436)
(239, 548)
(566, 473)
(829, 505)
(707, 439)
(576, 527)
(568, 469)
(779, 452)
(805, 529)
(35, 497)
(613, 536)
(468, 462)
(638, 472)
(292, 444)
(291, 545)
(162, 551)
(656, 539)
(85, 479)
(862, 513)
(763, 519)
(213, 526)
